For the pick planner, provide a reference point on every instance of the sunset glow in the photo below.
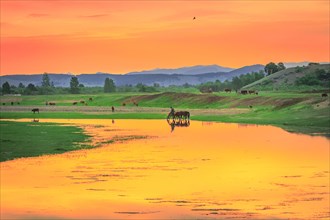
(234, 171)
(124, 36)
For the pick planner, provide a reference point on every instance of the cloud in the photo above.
(94, 16)
(37, 15)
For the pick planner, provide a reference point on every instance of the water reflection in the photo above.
(180, 123)
(222, 171)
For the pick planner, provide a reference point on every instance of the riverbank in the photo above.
(27, 139)
(301, 119)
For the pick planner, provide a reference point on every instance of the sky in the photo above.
(61, 36)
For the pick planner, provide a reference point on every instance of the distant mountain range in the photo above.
(165, 77)
(193, 70)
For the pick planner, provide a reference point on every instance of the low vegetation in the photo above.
(311, 78)
(295, 99)
(28, 139)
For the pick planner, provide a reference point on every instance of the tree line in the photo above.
(47, 87)
(236, 83)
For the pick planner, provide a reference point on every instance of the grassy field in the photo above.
(296, 112)
(167, 99)
(302, 112)
(23, 139)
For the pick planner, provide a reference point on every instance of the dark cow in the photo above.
(74, 103)
(182, 115)
(252, 92)
(324, 95)
(12, 103)
(244, 92)
(18, 103)
(34, 110)
(51, 103)
(227, 90)
(3, 103)
(112, 109)
(90, 99)
(82, 101)
(124, 104)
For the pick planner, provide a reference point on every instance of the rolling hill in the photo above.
(287, 77)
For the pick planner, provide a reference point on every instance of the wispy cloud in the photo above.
(94, 16)
(37, 15)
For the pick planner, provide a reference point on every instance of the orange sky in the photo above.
(122, 36)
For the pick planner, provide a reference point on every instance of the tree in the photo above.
(45, 80)
(237, 83)
(6, 88)
(281, 66)
(30, 89)
(109, 85)
(141, 87)
(271, 68)
(74, 85)
(21, 85)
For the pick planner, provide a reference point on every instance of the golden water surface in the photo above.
(143, 170)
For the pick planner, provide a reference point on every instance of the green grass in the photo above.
(28, 139)
(300, 119)
(78, 115)
(294, 109)
(102, 99)
(190, 99)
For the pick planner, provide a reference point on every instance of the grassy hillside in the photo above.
(307, 112)
(285, 80)
(167, 99)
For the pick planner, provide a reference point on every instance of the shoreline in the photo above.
(233, 115)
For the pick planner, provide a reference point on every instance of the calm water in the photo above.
(206, 170)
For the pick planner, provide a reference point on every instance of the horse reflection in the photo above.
(181, 123)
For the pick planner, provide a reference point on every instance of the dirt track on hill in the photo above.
(107, 110)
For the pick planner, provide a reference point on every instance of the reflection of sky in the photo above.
(217, 171)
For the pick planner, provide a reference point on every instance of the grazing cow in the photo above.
(113, 109)
(250, 106)
(51, 103)
(257, 93)
(82, 101)
(34, 110)
(74, 103)
(3, 103)
(12, 103)
(252, 92)
(182, 115)
(227, 90)
(90, 99)
(136, 104)
(18, 103)
(124, 104)
(324, 95)
(244, 92)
